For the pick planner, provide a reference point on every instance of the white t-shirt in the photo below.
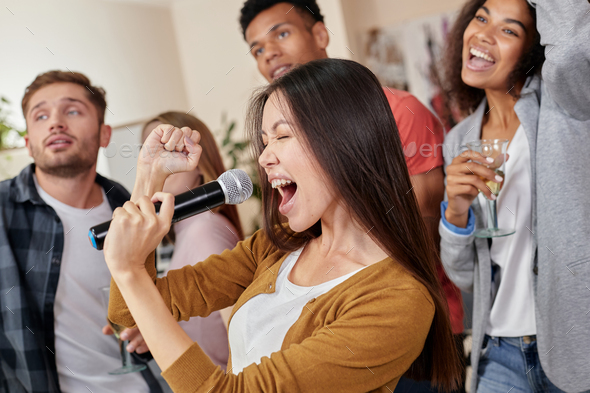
(84, 355)
(513, 309)
(259, 327)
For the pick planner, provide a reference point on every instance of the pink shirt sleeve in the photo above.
(201, 236)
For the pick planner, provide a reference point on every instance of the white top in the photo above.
(84, 355)
(259, 327)
(513, 310)
(197, 238)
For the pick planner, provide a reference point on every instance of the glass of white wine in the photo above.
(495, 149)
(127, 367)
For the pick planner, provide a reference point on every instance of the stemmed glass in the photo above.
(127, 367)
(496, 149)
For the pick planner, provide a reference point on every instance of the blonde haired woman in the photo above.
(198, 237)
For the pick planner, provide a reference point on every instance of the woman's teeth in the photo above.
(276, 183)
(482, 55)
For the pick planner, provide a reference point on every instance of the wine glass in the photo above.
(496, 149)
(127, 367)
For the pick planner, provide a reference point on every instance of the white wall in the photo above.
(362, 15)
(120, 157)
(13, 161)
(129, 49)
(219, 72)
(334, 19)
(219, 75)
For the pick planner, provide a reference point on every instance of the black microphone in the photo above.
(232, 187)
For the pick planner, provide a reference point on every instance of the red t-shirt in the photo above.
(422, 135)
(420, 131)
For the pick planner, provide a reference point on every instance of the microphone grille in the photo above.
(237, 186)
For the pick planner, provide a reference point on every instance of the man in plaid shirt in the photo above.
(51, 307)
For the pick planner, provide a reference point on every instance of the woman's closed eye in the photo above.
(266, 143)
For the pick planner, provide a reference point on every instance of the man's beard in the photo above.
(70, 164)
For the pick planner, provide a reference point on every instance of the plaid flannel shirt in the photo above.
(31, 247)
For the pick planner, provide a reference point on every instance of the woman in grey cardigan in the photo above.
(531, 331)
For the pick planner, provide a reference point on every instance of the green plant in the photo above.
(238, 152)
(10, 136)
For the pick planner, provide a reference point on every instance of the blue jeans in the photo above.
(511, 364)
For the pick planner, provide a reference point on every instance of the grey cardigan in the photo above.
(555, 115)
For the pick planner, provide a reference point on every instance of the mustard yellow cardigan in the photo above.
(361, 336)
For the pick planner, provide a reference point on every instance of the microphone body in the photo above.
(196, 201)
(232, 187)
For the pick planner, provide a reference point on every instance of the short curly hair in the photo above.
(309, 9)
(466, 97)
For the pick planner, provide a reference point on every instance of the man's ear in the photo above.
(320, 35)
(105, 135)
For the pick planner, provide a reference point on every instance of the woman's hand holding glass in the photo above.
(167, 150)
(135, 231)
(465, 179)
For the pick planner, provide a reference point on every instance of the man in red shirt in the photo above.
(282, 34)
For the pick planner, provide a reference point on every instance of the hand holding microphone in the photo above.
(137, 229)
(232, 187)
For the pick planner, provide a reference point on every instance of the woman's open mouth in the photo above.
(479, 61)
(287, 189)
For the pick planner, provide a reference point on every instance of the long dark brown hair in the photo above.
(466, 97)
(210, 163)
(340, 111)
